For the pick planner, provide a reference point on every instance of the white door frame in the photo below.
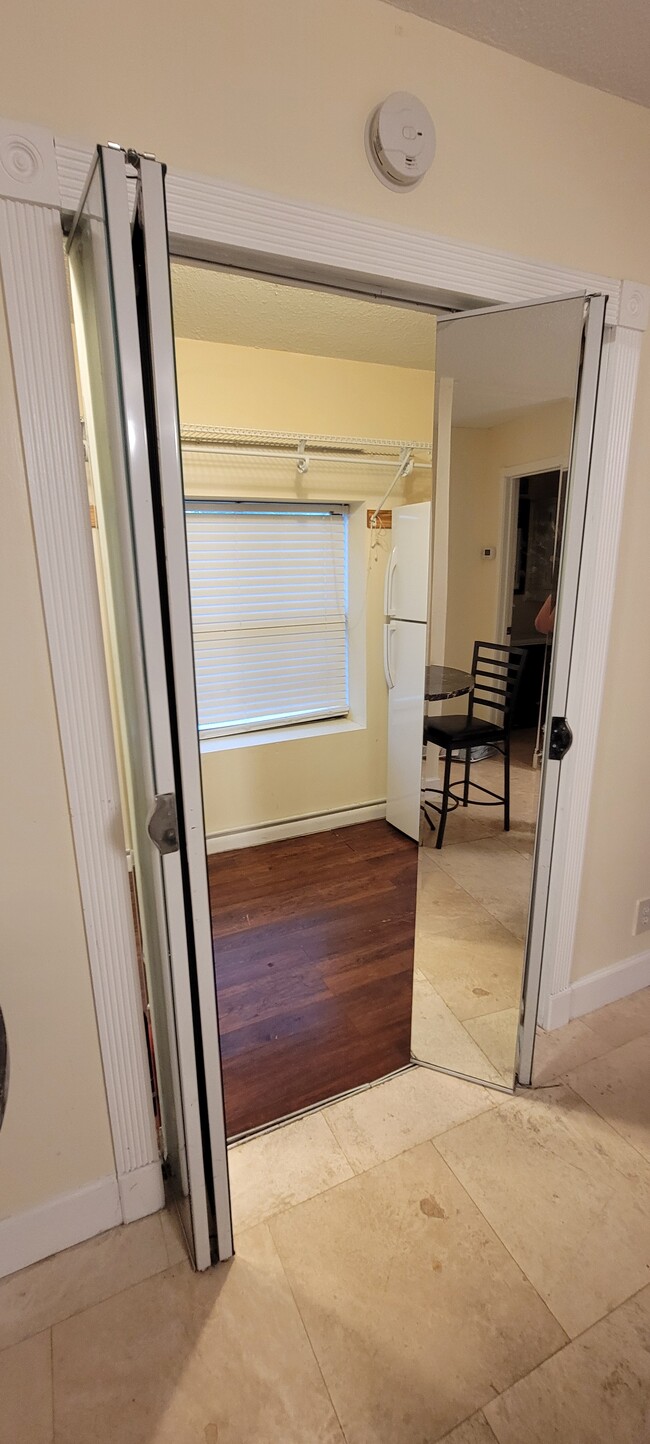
(40, 177)
(507, 532)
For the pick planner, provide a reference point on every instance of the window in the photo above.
(269, 585)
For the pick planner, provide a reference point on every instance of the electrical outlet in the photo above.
(642, 922)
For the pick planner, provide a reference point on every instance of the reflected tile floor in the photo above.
(435, 1263)
(472, 916)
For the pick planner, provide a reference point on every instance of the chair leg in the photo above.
(427, 818)
(468, 763)
(445, 798)
(506, 784)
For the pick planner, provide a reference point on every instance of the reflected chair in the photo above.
(497, 675)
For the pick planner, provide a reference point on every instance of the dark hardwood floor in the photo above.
(313, 950)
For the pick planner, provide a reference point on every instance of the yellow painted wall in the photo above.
(281, 391)
(55, 1137)
(479, 458)
(285, 391)
(276, 96)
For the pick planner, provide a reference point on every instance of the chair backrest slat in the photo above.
(497, 673)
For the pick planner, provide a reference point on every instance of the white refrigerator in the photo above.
(406, 600)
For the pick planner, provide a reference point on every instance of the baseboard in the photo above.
(556, 1012)
(59, 1223)
(141, 1192)
(596, 990)
(294, 827)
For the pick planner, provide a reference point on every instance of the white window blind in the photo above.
(268, 582)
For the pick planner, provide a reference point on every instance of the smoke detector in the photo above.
(400, 141)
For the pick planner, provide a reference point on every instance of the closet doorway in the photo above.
(288, 585)
(303, 411)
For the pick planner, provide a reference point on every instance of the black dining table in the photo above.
(442, 683)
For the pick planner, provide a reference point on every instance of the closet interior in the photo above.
(303, 414)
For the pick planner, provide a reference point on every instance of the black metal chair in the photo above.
(497, 674)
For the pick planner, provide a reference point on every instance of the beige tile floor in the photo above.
(427, 1260)
(472, 915)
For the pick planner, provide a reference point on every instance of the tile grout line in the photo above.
(578, 1096)
(566, 1341)
(569, 1338)
(509, 1252)
(477, 902)
(378, 1163)
(359, 1173)
(280, 1212)
(560, 1078)
(480, 1082)
(480, 1410)
(164, 1237)
(156, 1273)
(52, 1418)
(307, 1333)
(645, 1032)
(355, 1171)
(570, 1341)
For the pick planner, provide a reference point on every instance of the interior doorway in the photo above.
(291, 642)
(534, 504)
(303, 412)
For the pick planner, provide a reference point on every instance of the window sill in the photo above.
(280, 734)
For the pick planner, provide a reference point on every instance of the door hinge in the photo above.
(560, 738)
(162, 823)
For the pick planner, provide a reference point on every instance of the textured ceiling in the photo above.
(214, 305)
(605, 43)
(502, 363)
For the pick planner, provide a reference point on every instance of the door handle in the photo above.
(388, 632)
(162, 823)
(560, 738)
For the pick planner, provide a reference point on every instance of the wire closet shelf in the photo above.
(303, 447)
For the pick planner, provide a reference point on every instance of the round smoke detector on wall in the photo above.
(400, 141)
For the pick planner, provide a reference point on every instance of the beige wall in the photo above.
(285, 391)
(55, 1137)
(250, 785)
(276, 96)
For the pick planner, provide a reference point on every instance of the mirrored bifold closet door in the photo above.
(118, 250)
(515, 402)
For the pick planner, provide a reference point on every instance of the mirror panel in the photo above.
(505, 401)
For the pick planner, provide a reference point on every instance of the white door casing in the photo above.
(38, 317)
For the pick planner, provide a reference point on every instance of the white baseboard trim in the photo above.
(141, 1192)
(58, 1224)
(293, 827)
(596, 990)
(556, 1012)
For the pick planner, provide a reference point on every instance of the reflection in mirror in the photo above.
(506, 390)
(304, 415)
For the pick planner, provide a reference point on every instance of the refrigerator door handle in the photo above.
(388, 583)
(389, 629)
